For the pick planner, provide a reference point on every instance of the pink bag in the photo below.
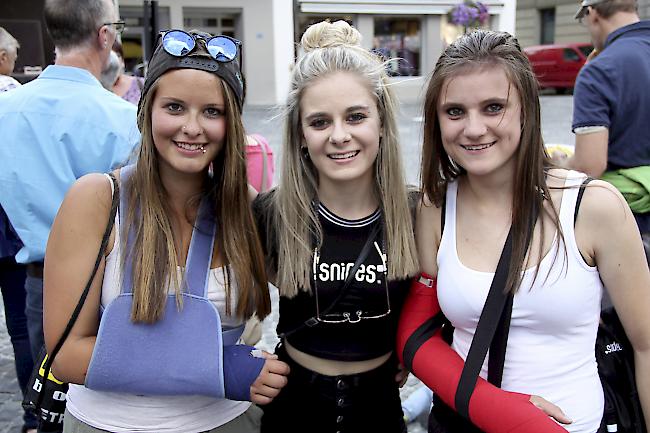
(259, 163)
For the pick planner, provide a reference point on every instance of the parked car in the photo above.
(557, 65)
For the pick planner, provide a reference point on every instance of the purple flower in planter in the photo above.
(469, 14)
(460, 15)
(484, 15)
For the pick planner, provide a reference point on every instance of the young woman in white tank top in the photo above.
(484, 157)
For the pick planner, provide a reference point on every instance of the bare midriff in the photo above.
(330, 367)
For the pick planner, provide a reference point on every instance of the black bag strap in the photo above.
(581, 192)
(492, 329)
(499, 344)
(485, 331)
(363, 254)
(84, 294)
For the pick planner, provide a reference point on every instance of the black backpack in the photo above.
(615, 358)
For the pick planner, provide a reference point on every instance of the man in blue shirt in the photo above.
(611, 104)
(12, 274)
(57, 128)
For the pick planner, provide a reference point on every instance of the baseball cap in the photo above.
(200, 59)
(582, 11)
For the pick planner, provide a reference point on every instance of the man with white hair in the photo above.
(8, 54)
(57, 128)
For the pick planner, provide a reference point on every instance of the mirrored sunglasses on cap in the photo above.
(180, 43)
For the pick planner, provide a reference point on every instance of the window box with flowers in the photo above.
(469, 15)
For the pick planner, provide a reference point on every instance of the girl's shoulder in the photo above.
(558, 177)
(428, 218)
(92, 189)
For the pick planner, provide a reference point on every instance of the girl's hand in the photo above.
(550, 409)
(270, 381)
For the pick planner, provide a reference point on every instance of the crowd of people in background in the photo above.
(156, 181)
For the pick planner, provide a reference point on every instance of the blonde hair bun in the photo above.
(326, 34)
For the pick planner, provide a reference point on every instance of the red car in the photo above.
(558, 65)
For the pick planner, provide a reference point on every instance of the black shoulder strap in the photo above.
(485, 331)
(84, 294)
(581, 192)
(492, 329)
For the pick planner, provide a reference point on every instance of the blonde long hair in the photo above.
(154, 249)
(333, 47)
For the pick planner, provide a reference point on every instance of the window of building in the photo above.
(211, 20)
(547, 26)
(133, 34)
(399, 38)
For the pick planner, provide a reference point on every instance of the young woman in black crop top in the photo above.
(339, 242)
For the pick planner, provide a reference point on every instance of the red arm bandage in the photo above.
(491, 409)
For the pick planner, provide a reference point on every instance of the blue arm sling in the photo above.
(183, 353)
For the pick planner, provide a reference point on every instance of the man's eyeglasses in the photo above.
(358, 315)
(119, 26)
(180, 43)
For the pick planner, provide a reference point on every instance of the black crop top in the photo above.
(369, 293)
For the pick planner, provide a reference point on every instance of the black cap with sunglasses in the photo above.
(178, 49)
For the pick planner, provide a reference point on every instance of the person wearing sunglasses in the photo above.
(181, 243)
(339, 241)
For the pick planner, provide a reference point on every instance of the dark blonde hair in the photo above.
(483, 48)
(154, 248)
(328, 48)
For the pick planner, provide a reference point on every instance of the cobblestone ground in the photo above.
(10, 397)
(556, 124)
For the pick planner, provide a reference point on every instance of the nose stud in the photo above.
(185, 131)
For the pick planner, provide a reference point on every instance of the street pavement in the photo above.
(556, 129)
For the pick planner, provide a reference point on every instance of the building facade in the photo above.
(264, 27)
(415, 31)
(551, 21)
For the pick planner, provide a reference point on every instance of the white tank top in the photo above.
(550, 349)
(118, 412)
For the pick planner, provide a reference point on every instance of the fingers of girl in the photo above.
(260, 399)
(271, 380)
(277, 367)
(263, 394)
(550, 409)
